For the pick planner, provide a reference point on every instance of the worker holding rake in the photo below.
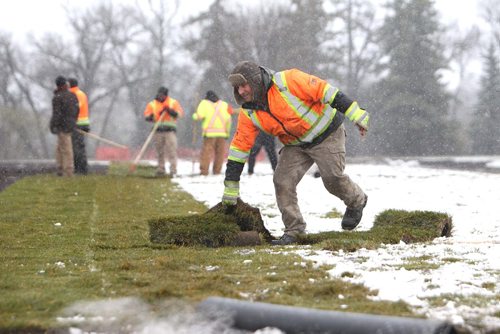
(164, 112)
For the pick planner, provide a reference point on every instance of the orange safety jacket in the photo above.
(83, 114)
(216, 118)
(299, 111)
(155, 107)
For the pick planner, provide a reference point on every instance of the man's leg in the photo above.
(293, 163)
(159, 139)
(219, 155)
(66, 150)
(171, 151)
(206, 155)
(330, 158)
(270, 147)
(59, 155)
(79, 155)
(253, 155)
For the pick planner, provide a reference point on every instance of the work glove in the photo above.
(231, 193)
(85, 128)
(149, 118)
(360, 117)
(172, 113)
(363, 120)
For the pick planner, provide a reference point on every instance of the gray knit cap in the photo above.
(247, 72)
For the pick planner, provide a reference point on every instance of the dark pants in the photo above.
(79, 154)
(263, 139)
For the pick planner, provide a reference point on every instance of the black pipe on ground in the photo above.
(253, 316)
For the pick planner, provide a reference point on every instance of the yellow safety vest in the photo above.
(216, 118)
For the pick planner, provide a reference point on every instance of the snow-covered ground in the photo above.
(468, 271)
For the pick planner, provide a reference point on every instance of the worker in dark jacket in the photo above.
(266, 140)
(62, 123)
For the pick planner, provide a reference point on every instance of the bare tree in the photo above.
(353, 35)
(157, 22)
(18, 95)
(89, 55)
(86, 56)
(491, 14)
(462, 50)
(144, 55)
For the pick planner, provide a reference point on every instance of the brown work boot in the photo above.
(352, 216)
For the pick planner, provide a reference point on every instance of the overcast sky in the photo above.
(23, 16)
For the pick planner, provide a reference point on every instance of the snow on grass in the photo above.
(455, 279)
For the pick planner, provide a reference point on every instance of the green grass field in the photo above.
(87, 238)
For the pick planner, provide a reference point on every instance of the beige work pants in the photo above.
(166, 145)
(212, 149)
(295, 161)
(64, 154)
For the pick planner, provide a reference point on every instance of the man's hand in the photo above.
(172, 112)
(169, 111)
(231, 193)
(362, 130)
(362, 122)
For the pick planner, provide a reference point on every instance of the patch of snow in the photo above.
(60, 264)
(466, 266)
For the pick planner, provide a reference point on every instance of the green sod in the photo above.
(88, 238)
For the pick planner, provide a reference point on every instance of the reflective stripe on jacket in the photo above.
(83, 114)
(299, 112)
(155, 107)
(216, 118)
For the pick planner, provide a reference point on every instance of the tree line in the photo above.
(394, 67)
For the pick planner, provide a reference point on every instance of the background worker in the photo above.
(62, 123)
(83, 124)
(166, 111)
(215, 115)
(267, 141)
(306, 113)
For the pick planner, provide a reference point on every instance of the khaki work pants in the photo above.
(64, 154)
(295, 161)
(213, 149)
(166, 145)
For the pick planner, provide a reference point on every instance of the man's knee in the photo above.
(282, 182)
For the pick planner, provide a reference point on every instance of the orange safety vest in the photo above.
(299, 111)
(83, 115)
(216, 118)
(155, 107)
